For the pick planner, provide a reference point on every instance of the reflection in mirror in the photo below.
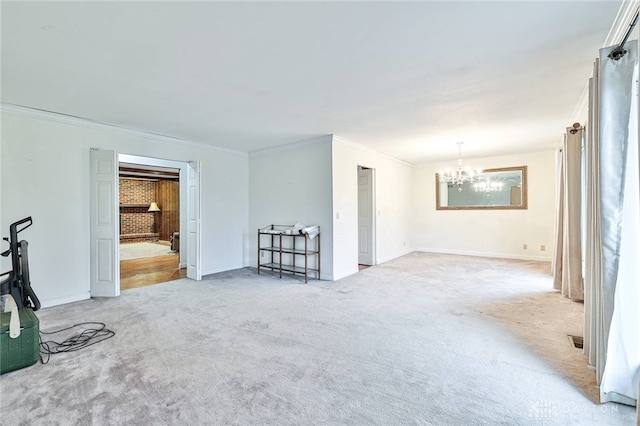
(504, 188)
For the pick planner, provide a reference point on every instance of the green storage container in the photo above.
(23, 350)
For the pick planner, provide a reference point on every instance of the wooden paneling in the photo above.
(168, 199)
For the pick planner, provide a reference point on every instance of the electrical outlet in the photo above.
(524, 247)
(543, 247)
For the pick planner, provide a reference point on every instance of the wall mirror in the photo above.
(503, 188)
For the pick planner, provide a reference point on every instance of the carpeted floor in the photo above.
(542, 322)
(425, 339)
(130, 251)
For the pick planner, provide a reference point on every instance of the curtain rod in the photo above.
(575, 128)
(620, 51)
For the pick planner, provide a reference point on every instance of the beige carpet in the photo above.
(130, 251)
(422, 340)
(543, 322)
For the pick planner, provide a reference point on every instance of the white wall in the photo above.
(292, 184)
(496, 233)
(392, 199)
(45, 174)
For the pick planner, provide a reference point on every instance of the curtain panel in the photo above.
(567, 264)
(620, 209)
(612, 270)
(594, 344)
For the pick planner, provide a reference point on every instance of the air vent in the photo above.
(576, 341)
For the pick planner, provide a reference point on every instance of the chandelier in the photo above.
(459, 176)
(487, 186)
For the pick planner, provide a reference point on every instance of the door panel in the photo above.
(105, 238)
(365, 217)
(194, 270)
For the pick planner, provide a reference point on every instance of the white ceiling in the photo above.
(408, 79)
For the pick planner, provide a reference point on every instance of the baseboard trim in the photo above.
(222, 269)
(348, 274)
(393, 256)
(323, 276)
(64, 300)
(484, 254)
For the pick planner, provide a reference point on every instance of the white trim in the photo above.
(64, 300)
(491, 157)
(484, 254)
(227, 268)
(245, 265)
(151, 161)
(621, 23)
(177, 164)
(289, 146)
(57, 117)
(618, 29)
(335, 138)
(393, 256)
(353, 272)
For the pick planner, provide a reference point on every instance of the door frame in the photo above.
(189, 207)
(183, 167)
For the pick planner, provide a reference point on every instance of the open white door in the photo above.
(366, 217)
(105, 240)
(194, 270)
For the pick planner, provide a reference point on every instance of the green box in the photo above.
(22, 351)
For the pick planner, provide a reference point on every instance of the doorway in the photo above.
(366, 217)
(149, 224)
(104, 218)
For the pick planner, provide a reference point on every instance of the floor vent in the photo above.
(576, 341)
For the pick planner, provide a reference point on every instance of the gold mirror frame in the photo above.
(523, 192)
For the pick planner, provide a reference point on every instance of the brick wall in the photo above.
(133, 191)
(136, 220)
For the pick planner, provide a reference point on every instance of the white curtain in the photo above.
(567, 263)
(612, 322)
(594, 345)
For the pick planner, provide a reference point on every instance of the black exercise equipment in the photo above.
(17, 283)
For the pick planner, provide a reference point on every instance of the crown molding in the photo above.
(71, 120)
(286, 147)
(492, 158)
(621, 22)
(617, 31)
(373, 151)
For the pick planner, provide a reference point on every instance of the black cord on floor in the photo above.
(89, 336)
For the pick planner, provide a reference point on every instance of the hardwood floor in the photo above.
(150, 270)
